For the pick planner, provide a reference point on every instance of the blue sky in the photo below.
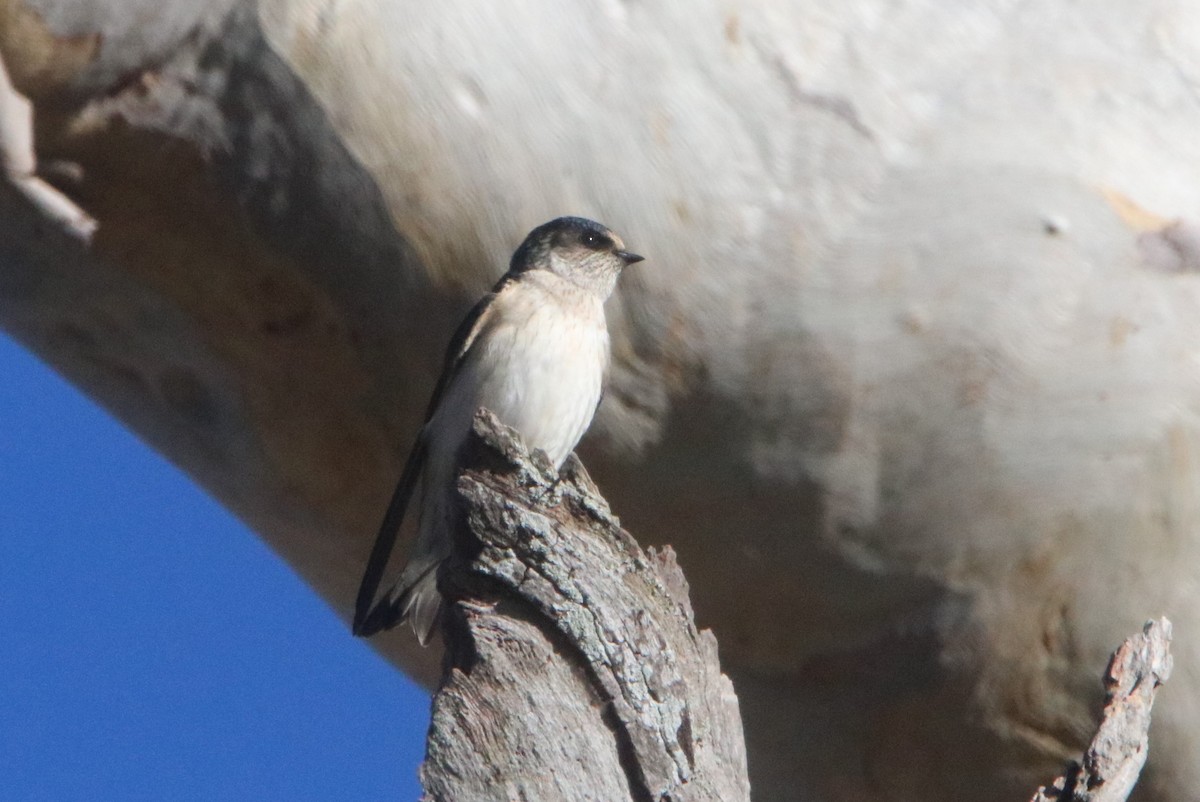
(151, 647)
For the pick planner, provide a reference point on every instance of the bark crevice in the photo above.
(575, 669)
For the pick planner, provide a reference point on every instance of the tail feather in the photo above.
(414, 596)
(371, 617)
(421, 604)
(414, 599)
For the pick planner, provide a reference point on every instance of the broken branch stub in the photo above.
(1114, 759)
(18, 165)
(574, 668)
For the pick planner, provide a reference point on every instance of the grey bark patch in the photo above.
(574, 667)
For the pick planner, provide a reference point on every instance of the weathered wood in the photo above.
(1114, 760)
(574, 668)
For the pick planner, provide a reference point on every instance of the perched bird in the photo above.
(535, 352)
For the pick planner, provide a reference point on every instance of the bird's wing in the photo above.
(370, 618)
(460, 344)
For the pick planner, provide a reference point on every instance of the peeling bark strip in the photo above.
(1114, 760)
(19, 164)
(574, 668)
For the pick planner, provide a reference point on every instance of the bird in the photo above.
(535, 351)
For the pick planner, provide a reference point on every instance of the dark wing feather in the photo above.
(370, 618)
(463, 339)
(368, 621)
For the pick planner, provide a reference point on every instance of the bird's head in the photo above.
(577, 249)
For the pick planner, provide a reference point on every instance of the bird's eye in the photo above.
(593, 240)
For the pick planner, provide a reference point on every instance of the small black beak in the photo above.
(629, 258)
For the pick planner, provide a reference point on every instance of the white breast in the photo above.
(539, 364)
(547, 361)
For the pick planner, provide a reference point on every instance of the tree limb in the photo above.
(1114, 760)
(20, 164)
(574, 668)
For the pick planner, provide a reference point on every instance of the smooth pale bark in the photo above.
(908, 379)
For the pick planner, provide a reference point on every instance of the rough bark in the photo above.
(574, 667)
(1114, 759)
